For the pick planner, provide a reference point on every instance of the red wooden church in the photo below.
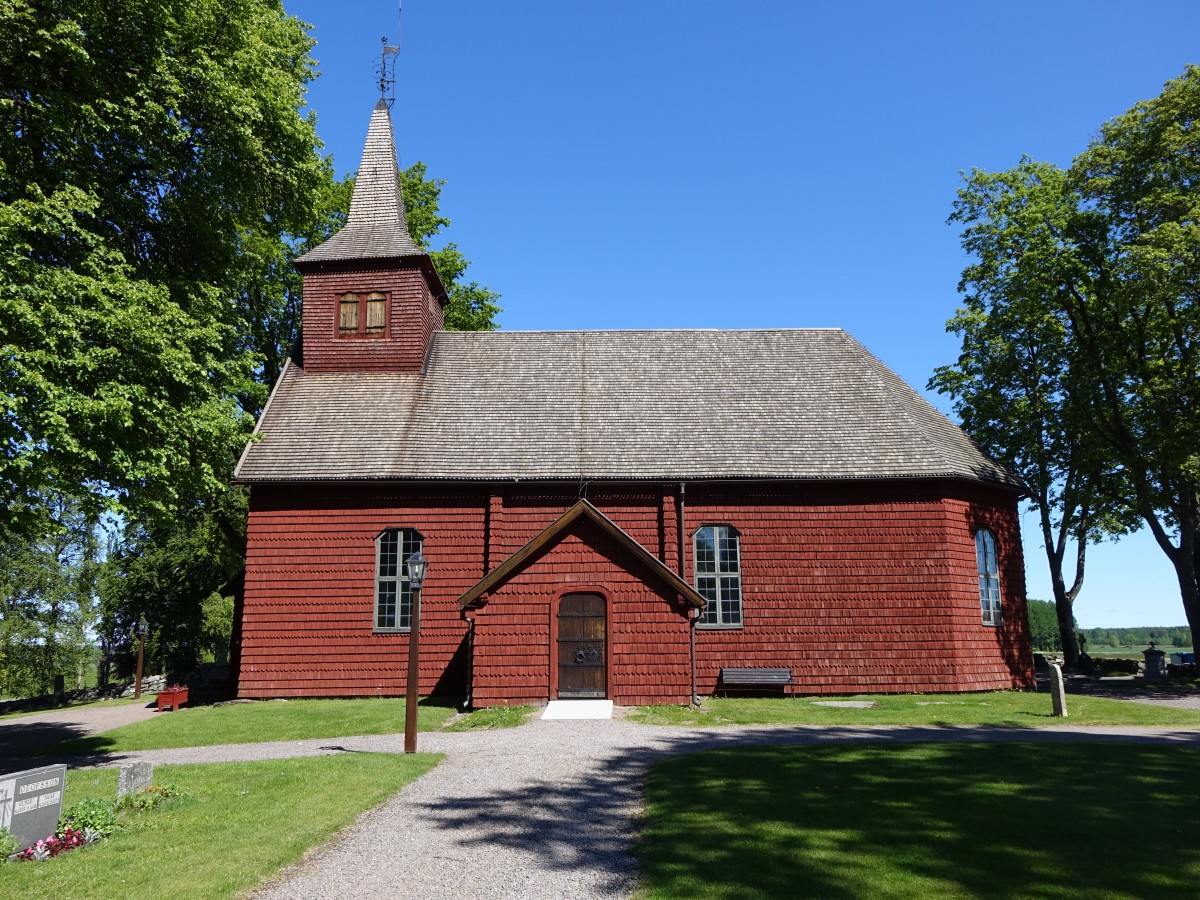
(620, 514)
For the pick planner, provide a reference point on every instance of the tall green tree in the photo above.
(139, 141)
(49, 603)
(1015, 384)
(1135, 319)
(1101, 264)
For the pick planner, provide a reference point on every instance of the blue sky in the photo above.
(655, 164)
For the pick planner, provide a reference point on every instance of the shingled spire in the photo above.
(377, 227)
(372, 297)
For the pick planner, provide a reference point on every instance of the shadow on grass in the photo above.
(583, 823)
(927, 820)
(23, 743)
(36, 744)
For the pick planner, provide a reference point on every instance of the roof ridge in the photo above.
(780, 330)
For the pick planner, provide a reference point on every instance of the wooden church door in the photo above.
(582, 646)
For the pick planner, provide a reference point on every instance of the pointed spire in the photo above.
(377, 227)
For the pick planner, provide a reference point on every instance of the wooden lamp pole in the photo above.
(141, 631)
(416, 577)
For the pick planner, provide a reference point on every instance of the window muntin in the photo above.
(719, 575)
(393, 595)
(362, 314)
(989, 577)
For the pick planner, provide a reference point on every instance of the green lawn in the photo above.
(237, 825)
(494, 717)
(927, 821)
(999, 708)
(996, 708)
(247, 723)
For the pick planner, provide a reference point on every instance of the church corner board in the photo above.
(618, 514)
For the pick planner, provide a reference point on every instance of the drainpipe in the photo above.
(466, 704)
(693, 615)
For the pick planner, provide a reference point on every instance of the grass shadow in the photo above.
(226, 723)
(945, 820)
(583, 823)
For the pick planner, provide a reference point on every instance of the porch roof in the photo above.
(585, 511)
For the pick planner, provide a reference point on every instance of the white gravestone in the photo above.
(1058, 691)
(134, 777)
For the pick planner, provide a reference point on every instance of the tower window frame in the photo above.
(362, 314)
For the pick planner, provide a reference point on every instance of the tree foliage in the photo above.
(48, 604)
(167, 573)
(157, 180)
(139, 140)
(1015, 386)
(1080, 364)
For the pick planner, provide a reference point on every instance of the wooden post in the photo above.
(137, 689)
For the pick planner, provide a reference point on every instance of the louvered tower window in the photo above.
(362, 314)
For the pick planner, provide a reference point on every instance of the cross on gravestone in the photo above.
(31, 803)
(134, 777)
(1058, 691)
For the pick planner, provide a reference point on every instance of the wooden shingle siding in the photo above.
(413, 317)
(852, 587)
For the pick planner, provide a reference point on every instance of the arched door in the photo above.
(582, 646)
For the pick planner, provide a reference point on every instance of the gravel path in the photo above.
(1179, 695)
(549, 810)
(546, 810)
(22, 735)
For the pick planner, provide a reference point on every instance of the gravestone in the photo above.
(31, 803)
(1058, 690)
(134, 777)
(1156, 665)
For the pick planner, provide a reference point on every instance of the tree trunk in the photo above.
(1064, 611)
(1189, 590)
(1064, 599)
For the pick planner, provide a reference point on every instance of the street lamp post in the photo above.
(416, 577)
(141, 632)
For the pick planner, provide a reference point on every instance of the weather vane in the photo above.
(386, 68)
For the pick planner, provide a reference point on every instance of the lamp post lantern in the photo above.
(141, 633)
(417, 565)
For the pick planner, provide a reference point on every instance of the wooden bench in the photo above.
(752, 679)
(173, 699)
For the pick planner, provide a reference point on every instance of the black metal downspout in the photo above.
(466, 704)
(693, 615)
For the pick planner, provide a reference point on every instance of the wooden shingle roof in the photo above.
(584, 511)
(377, 226)
(807, 404)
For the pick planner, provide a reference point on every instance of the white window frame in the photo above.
(392, 610)
(719, 583)
(987, 564)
